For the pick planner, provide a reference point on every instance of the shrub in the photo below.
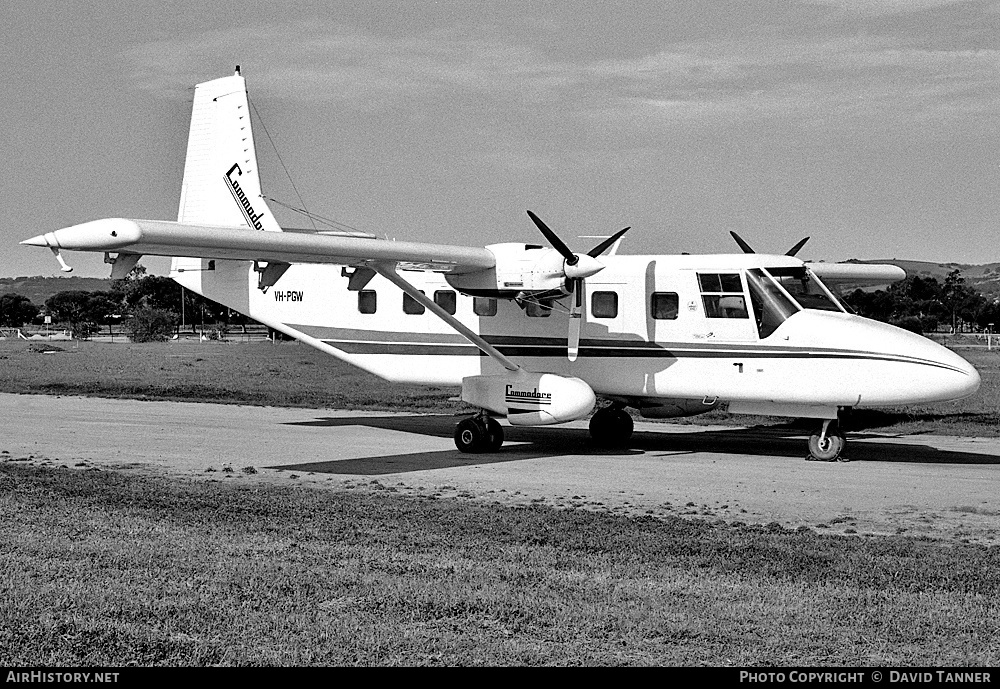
(147, 324)
(911, 323)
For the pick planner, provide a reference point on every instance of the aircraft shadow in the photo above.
(531, 443)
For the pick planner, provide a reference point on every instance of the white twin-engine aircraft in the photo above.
(531, 333)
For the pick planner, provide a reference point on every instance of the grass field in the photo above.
(261, 373)
(104, 568)
(107, 569)
(292, 374)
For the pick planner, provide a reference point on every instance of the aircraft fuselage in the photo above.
(653, 328)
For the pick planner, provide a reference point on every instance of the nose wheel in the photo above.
(479, 433)
(827, 444)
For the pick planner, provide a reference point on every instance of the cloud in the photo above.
(325, 61)
(815, 77)
(885, 7)
(831, 82)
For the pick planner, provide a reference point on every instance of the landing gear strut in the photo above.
(827, 444)
(611, 427)
(479, 433)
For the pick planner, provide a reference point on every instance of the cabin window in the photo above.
(536, 309)
(484, 306)
(663, 306)
(722, 295)
(367, 301)
(411, 305)
(604, 304)
(445, 298)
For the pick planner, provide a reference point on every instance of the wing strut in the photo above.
(388, 271)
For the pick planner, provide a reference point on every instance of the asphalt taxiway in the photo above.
(942, 487)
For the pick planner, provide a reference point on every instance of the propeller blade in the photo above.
(557, 244)
(743, 245)
(795, 249)
(603, 246)
(575, 319)
(573, 346)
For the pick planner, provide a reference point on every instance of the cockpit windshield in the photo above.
(799, 289)
(771, 306)
(805, 288)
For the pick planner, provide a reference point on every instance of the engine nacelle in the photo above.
(520, 268)
(530, 399)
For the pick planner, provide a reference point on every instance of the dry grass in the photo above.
(107, 569)
(282, 374)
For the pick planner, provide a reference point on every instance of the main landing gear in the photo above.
(827, 444)
(479, 433)
(611, 426)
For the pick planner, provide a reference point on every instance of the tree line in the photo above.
(146, 307)
(149, 307)
(926, 305)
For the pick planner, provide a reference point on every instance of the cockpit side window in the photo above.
(771, 306)
(722, 295)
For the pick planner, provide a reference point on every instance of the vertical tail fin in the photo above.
(221, 184)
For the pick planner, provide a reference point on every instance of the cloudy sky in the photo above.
(871, 125)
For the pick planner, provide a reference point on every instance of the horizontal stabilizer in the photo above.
(163, 238)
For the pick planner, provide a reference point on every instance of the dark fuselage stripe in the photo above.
(454, 344)
(619, 352)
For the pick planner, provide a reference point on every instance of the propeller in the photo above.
(607, 243)
(747, 249)
(576, 268)
(795, 249)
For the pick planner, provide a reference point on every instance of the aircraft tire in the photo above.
(471, 435)
(477, 434)
(494, 435)
(611, 427)
(829, 450)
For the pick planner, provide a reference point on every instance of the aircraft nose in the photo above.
(955, 377)
(967, 378)
(894, 367)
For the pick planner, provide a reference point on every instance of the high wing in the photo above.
(844, 275)
(164, 238)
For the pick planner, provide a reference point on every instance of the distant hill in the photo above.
(40, 288)
(985, 278)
